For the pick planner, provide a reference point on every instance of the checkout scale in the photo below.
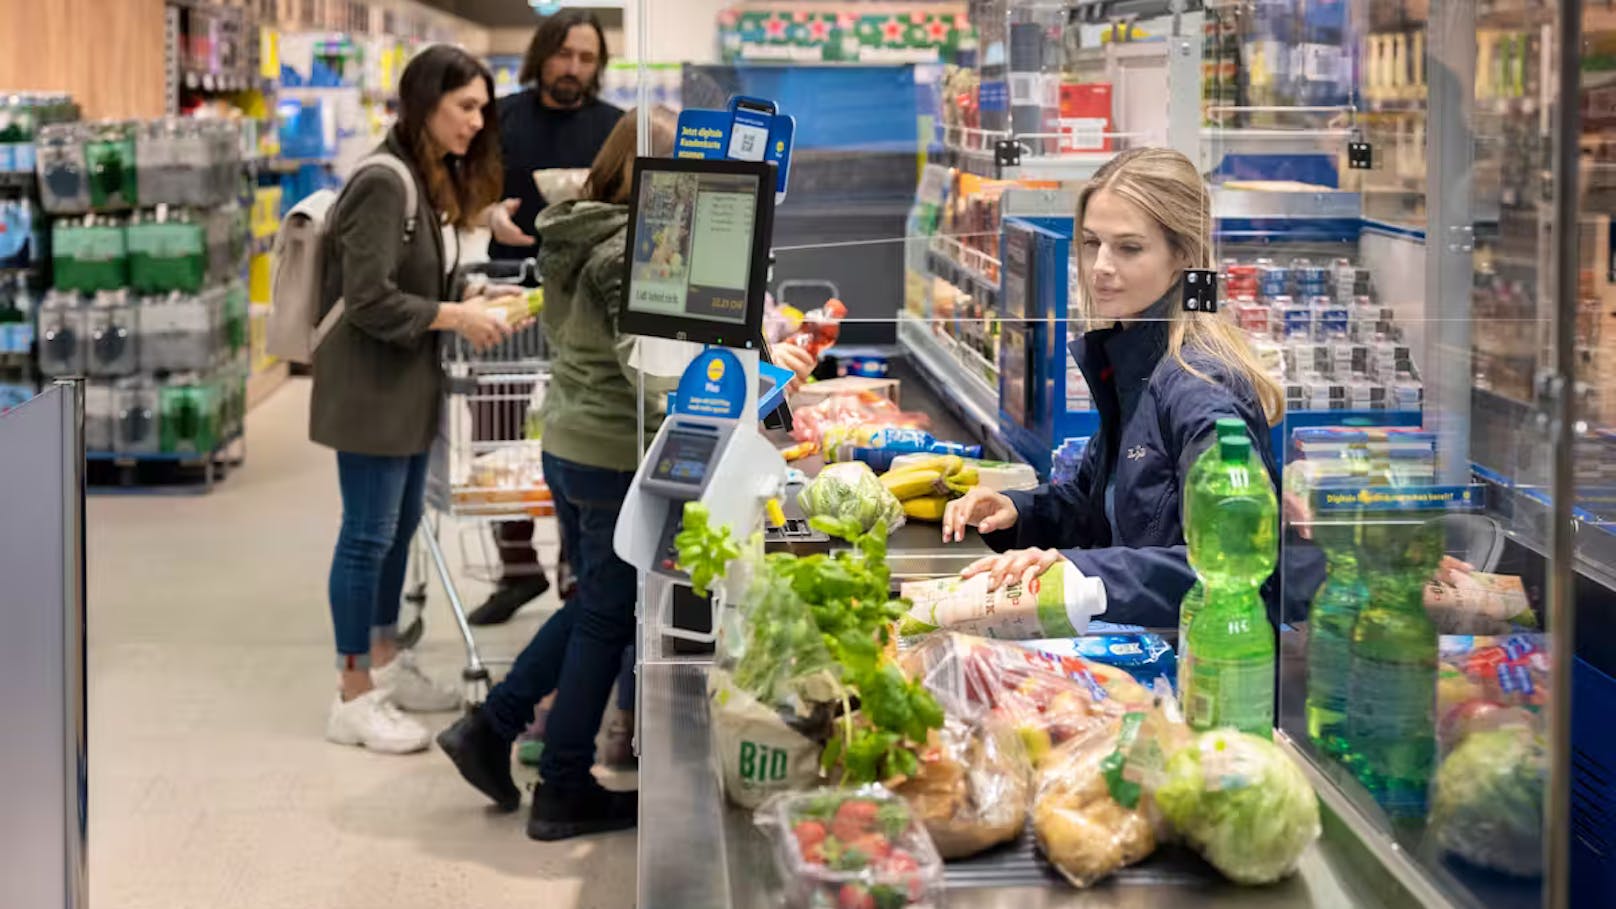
(697, 272)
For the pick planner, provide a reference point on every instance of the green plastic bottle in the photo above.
(1391, 711)
(1330, 620)
(1233, 546)
(1225, 426)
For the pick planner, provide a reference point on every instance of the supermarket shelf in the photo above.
(964, 392)
(965, 268)
(22, 181)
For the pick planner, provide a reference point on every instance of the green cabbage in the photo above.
(1240, 802)
(1487, 807)
(850, 491)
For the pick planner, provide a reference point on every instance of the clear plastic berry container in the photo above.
(852, 849)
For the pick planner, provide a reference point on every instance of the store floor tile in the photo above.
(210, 673)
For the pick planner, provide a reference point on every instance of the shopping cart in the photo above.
(485, 463)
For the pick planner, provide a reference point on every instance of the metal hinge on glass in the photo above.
(1007, 152)
(1360, 155)
(1200, 290)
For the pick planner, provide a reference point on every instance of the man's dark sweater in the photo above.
(534, 137)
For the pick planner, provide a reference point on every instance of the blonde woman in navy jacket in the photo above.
(1161, 378)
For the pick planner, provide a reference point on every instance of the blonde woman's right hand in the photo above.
(482, 322)
(985, 509)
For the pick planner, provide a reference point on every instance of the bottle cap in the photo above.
(1230, 426)
(1234, 448)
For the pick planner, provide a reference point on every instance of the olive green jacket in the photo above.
(591, 407)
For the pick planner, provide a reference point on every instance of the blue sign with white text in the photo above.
(751, 129)
(713, 385)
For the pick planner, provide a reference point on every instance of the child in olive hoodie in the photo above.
(591, 448)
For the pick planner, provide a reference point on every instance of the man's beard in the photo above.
(566, 91)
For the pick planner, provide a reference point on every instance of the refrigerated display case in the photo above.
(1387, 183)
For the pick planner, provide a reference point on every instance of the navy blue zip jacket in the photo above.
(1156, 418)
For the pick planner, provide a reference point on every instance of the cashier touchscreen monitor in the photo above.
(698, 250)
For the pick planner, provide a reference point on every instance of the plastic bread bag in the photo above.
(1240, 802)
(772, 691)
(559, 184)
(1093, 813)
(1047, 699)
(851, 491)
(859, 847)
(973, 788)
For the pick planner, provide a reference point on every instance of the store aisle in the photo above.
(210, 675)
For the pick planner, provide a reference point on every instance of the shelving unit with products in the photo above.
(24, 245)
(149, 239)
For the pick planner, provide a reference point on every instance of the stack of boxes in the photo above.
(1319, 331)
(148, 249)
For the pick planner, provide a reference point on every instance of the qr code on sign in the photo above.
(747, 142)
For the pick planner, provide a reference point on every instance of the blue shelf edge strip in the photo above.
(181, 457)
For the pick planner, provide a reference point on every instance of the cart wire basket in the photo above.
(486, 464)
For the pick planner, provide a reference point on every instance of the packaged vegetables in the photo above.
(1487, 801)
(1240, 802)
(1091, 817)
(810, 640)
(973, 787)
(850, 492)
(852, 849)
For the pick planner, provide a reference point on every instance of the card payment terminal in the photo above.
(696, 271)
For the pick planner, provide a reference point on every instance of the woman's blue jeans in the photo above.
(382, 500)
(578, 653)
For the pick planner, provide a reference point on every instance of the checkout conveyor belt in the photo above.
(697, 850)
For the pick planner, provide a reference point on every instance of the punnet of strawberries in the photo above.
(855, 849)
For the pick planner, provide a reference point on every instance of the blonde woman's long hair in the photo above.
(1165, 185)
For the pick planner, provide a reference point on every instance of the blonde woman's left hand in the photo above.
(1016, 565)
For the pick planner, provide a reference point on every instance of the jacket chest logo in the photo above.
(1136, 453)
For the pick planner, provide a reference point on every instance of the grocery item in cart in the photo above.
(1055, 604)
(1090, 817)
(508, 476)
(973, 787)
(852, 848)
(1241, 803)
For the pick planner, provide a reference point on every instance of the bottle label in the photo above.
(1225, 692)
(1392, 702)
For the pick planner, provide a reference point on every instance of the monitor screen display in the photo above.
(693, 242)
(684, 457)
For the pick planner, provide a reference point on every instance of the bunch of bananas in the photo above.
(925, 487)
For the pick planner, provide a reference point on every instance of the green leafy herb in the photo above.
(825, 611)
(704, 553)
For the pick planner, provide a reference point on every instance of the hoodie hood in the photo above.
(571, 233)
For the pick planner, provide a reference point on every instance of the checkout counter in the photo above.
(695, 849)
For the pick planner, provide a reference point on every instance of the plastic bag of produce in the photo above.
(1047, 699)
(1240, 802)
(851, 492)
(1093, 813)
(852, 848)
(1487, 804)
(772, 691)
(973, 786)
(868, 409)
(1488, 683)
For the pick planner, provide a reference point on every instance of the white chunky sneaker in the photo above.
(411, 689)
(373, 722)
